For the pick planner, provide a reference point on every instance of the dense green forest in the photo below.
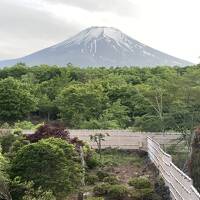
(49, 164)
(143, 99)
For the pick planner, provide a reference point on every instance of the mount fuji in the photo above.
(99, 46)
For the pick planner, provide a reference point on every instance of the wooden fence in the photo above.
(124, 139)
(179, 183)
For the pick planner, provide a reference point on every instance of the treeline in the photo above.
(143, 99)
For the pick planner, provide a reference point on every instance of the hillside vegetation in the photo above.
(50, 165)
(144, 99)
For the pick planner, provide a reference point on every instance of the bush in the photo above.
(143, 194)
(49, 130)
(91, 179)
(102, 174)
(95, 198)
(26, 191)
(140, 183)
(92, 162)
(6, 142)
(25, 125)
(101, 189)
(161, 189)
(17, 145)
(18, 132)
(113, 192)
(111, 180)
(58, 169)
(117, 192)
(38, 194)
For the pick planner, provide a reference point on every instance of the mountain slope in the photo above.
(99, 46)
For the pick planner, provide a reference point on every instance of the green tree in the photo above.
(17, 71)
(16, 102)
(118, 113)
(80, 102)
(158, 94)
(49, 163)
(4, 192)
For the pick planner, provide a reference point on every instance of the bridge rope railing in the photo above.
(180, 185)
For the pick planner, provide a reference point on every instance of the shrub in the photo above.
(5, 126)
(38, 194)
(101, 189)
(102, 174)
(49, 130)
(140, 183)
(91, 179)
(142, 194)
(6, 142)
(92, 162)
(18, 132)
(17, 145)
(111, 180)
(161, 189)
(26, 191)
(113, 192)
(95, 198)
(59, 172)
(117, 192)
(25, 125)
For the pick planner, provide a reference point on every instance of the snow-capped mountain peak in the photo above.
(97, 33)
(94, 34)
(100, 46)
(90, 39)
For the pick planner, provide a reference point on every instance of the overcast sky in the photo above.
(171, 26)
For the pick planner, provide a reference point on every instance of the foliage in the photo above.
(144, 194)
(140, 182)
(155, 99)
(146, 99)
(101, 189)
(95, 198)
(92, 161)
(59, 170)
(16, 103)
(81, 102)
(38, 194)
(98, 138)
(49, 130)
(4, 179)
(3, 167)
(25, 125)
(102, 174)
(6, 141)
(179, 153)
(194, 164)
(117, 192)
(26, 191)
(114, 192)
(91, 179)
(115, 157)
(111, 179)
(162, 190)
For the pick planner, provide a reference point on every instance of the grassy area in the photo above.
(118, 175)
(114, 157)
